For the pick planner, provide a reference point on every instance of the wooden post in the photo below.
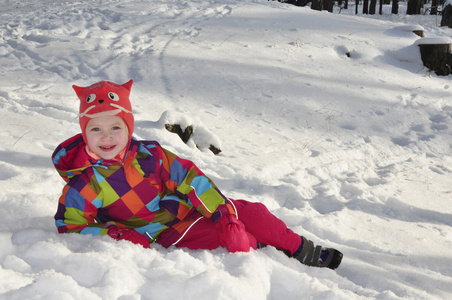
(436, 54)
(446, 19)
(416, 29)
(186, 134)
(419, 32)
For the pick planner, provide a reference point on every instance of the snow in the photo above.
(434, 40)
(330, 120)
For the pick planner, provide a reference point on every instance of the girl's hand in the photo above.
(232, 234)
(128, 235)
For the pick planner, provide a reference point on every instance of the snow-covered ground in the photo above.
(329, 119)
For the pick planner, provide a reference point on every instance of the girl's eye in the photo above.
(95, 129)
(90, 98)
(116, 128)
(113, 96)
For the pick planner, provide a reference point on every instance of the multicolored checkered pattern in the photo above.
(152, 190)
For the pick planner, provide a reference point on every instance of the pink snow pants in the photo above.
(260, 224)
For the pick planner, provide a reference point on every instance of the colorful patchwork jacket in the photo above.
(151, 190)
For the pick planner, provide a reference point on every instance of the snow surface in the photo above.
(329, 119)
(434, 40)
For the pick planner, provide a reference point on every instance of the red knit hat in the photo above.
(105, 98)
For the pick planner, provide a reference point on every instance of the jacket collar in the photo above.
(71, 157)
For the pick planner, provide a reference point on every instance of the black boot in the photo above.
(313, 257)
(317, 256)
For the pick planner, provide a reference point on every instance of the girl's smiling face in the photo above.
(107, 136)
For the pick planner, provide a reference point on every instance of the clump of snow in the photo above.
(330, 120)
(434, 40)
(202, 137)
(410, 27)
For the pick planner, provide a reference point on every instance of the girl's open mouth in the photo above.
(107, 148)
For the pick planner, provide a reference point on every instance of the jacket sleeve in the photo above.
(185, 179)
(76, 214)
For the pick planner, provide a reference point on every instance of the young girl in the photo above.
(140, 192)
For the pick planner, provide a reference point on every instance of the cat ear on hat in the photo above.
(128, 85)
(78, 90)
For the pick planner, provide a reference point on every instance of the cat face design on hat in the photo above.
(105, 98)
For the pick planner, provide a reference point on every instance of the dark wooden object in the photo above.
(437, 57)
(186, 134)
